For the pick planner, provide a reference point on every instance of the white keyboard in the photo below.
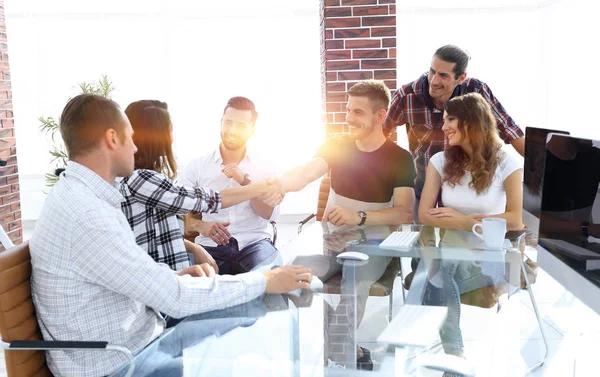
(400, 240)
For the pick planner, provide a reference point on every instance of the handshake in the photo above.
(271, 191)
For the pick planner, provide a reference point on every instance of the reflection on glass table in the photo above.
(317, 333)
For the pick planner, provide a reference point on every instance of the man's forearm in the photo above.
(294, 180)
(261, 208)
(390, 216)
(519, 145)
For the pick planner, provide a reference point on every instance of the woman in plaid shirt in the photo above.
(153, 201)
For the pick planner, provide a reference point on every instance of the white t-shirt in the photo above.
(465, 199)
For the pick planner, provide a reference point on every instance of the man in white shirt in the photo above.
(90, 280)
(239, 237)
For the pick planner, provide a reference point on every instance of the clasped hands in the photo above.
(271, 189)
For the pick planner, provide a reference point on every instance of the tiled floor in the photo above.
(572, 329)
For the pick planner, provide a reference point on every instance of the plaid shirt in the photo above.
(412, 106)
(91, 282)
(151, 204)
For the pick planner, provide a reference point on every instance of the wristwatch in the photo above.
(246, 180)
(585, 229)
(363, 217)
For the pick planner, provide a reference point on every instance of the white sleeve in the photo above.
(438, 160)
(188, 175)
(107, 255)
(509, 165)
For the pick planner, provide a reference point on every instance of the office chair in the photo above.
(19, 330)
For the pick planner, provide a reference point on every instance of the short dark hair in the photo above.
(151, 123)
(84, 121)
(376, 90)
(454, 54)
(242, 103)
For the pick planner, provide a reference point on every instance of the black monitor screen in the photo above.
(533, 168)
(570, 211)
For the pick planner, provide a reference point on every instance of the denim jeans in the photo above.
(453, 278)
(260, 255)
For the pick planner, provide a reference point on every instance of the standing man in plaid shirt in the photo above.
(420, 106)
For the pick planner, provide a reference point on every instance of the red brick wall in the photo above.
(358, 41)
(10, 202)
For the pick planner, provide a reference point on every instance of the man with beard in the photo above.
(420, 106)
(239, 237)
(372, 178)
(372, 182)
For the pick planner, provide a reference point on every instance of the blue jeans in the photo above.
(260, 255)
(459, 277)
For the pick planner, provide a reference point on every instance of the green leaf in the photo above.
(59, 154)
(51, 179)
(102, 87)
(48, 126)
(105, 87)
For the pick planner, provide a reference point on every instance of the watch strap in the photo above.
(363, 217)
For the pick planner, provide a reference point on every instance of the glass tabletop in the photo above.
(359, 317)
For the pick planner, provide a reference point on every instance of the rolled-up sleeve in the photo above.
(396, 115)
(157, 190)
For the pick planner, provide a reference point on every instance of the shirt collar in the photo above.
(421, 88)
(94, 182)
(218, 159)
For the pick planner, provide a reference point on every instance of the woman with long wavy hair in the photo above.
(477, 178)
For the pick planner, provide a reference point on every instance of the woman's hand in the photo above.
(474, 218)
(441, 212)
(467, 221)
(201, 256)
(215, 231)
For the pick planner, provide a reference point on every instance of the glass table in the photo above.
(359, 318)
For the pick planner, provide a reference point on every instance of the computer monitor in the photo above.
(571, 201)
(533, 170)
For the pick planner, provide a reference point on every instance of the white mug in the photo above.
(493, 231)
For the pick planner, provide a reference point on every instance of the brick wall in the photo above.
(10, 204)
(358, 41)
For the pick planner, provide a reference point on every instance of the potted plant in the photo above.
(49, 126)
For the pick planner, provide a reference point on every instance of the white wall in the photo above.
(570, 29)
(193, 55)
(535, 55)
(504, 44)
